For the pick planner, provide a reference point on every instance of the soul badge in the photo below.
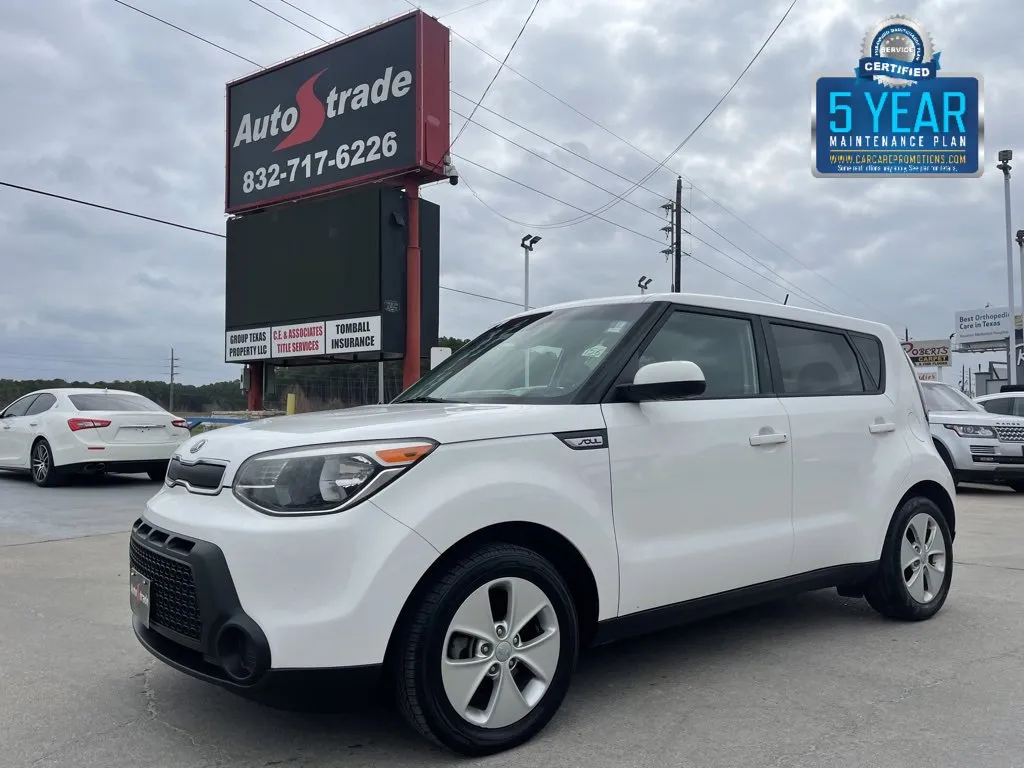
(898, 115)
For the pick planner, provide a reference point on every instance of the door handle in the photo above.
(770, 438)
(879, 427)
(7, 426)
(33, 423)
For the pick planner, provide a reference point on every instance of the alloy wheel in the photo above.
(40, 462)
(500, 653)
(923, 557)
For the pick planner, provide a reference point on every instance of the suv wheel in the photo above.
(486, 659)
(916, 568)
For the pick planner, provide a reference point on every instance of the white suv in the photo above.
(572, 476)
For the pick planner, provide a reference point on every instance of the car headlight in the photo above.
(323, 479)
(971, 430)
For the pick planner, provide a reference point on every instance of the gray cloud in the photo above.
(105, 104)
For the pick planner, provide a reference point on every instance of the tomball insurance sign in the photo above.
(897, 115)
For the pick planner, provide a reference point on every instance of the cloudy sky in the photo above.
(105, 104)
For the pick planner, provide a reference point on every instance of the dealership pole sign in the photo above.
(897, 115)
(372, 106)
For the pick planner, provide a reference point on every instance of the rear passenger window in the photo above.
(816, 362)
(870, 349)
(42, 403)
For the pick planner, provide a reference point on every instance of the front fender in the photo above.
(464, 487)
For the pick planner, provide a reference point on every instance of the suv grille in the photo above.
(1008, 434)
(173, 603)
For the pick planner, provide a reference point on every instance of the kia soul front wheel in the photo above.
(486, 659)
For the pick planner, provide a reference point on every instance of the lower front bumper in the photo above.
(342, 680)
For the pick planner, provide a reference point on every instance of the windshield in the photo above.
(941, 397)
(539, 358)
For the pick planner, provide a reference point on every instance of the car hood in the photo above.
(974, 417)
(443, 422)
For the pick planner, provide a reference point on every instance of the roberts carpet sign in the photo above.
(928, 354)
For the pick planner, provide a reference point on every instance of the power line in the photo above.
(185, 31)
(497, 72)
(609, 221)
(608, 206)
(465, 8)
(314, 18)
(123, 212)
(288, 21)
(108, 208)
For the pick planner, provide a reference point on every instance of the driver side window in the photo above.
(722, 346)
(19, 407)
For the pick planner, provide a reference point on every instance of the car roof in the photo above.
(993, 395)
(81, 391)
(728, 303)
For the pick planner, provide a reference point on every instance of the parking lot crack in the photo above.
(153, 713)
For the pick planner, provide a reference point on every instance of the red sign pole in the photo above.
(255, 394)
(411, 363)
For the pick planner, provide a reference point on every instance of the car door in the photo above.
(11, 429)
(28, 426)
(847, 449)
(701, 488)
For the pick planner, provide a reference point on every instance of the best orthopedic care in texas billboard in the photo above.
(371, 106)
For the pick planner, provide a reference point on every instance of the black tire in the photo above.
(887, 591)
(44, 473)
(421, 694)
(1017, 485)
(158, 473)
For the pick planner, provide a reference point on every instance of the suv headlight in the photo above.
(323, 479)
(972, 430)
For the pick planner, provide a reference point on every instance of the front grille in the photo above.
(173, 602)
(201, 475)
(1007, 434)
(983, 450)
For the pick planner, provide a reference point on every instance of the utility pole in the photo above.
(170, 397)
(677, 270)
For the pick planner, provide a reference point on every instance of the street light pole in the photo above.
(1005, 155)
(527, 244)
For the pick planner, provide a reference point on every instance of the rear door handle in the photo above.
(771, 438)
(33, 423)
(879, 428)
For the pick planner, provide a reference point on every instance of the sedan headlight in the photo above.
(322, 479)
(972, 430)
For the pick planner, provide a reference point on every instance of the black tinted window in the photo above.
(1000, 405)
(816, 362)
(42, 403)
(723, 347)
(870, 350)
(19, 407)
(107, 401)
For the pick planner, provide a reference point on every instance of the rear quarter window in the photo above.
(872, 360)
(112, 402)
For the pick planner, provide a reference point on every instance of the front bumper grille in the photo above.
(1007, 434)
(174, 604)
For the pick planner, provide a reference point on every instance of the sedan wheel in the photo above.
(44, 474)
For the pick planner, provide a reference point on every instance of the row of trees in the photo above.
(316, 387)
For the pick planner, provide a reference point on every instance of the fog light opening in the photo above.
(238, 655)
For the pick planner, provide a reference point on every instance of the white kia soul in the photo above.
(572, 476)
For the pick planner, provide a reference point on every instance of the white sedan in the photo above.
(53, 433)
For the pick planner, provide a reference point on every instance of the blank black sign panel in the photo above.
(305, 261)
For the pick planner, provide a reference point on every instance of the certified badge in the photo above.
(898, 53)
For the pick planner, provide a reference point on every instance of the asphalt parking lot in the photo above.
(819, 680)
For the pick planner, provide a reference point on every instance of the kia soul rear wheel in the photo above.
(916, 568)
(486, 660)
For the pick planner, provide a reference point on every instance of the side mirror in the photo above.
(670, 380)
